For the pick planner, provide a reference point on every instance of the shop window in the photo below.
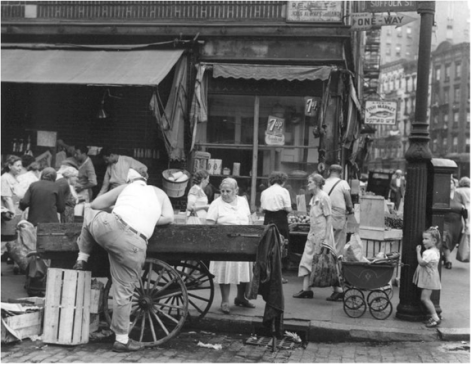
(458, 70)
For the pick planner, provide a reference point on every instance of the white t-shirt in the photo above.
(139, 207)
(227, 214)
(337, 196)
(275, 198)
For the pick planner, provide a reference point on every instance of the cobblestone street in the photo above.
(184, 349)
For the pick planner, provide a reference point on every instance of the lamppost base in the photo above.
(410, 313)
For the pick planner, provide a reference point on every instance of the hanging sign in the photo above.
(314, 11)
(366, 21)
(46, 139)
(274, 134)
(381, 6)
(311, 105)
(380, 112)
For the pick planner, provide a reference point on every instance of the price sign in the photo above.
(311, 105)
(274, 134)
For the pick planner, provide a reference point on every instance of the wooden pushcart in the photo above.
(175, 285)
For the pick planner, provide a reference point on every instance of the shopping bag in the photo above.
(193, 220)
(463, 251)
(324, 272)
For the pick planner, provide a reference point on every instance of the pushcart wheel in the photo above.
(374, 294)
(354, 306)
(353, 291)
(380, 307)
(200, 288)
(159, 305)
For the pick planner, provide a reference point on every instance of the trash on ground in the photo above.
(210, 345)
(293, 336)
(284, 343)
(207, 333)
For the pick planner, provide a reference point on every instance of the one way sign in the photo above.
(366, 21)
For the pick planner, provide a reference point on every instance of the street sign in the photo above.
(380, 112)
(366, 21)
(382, 6)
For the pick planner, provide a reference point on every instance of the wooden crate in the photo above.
(67, 307)
(23, 325)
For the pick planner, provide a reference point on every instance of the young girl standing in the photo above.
(427, 275)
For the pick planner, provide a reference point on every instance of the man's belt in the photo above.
(130, 228)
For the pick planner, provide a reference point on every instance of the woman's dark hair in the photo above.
(199, 175)
(11, 159)
(277, 177)
(27, 160)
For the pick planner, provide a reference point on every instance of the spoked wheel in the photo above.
(200, 287)
(379, 304)
(354, 306)
(159, 305)
(353, 291)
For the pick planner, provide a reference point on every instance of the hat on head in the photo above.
(336, 168)
(133, 174)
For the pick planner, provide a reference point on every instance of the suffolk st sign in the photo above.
(380, 112)
(382, 6)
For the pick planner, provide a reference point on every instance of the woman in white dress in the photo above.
(229, 209)
(197, 200)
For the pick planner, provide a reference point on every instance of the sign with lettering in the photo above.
(380, 112)
(311, 105)
(366, 21)
(314, 11)
(275, 132)
(382, 6)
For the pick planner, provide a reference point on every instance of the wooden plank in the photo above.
(229, 243)
(26, 325)
(51, 305)
(86, 308)
(78, 305)
(67, 307)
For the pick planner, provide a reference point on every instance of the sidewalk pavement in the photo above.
(318, 320)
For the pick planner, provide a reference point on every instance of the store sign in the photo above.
(366, 21)
(311, 105)
(381, 6)
(380, 112)
(275, 132)
(314, 11)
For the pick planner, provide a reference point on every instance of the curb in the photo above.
(319, 331)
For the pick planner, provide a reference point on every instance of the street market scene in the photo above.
(234, 181)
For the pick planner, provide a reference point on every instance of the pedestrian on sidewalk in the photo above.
(230, 209)
(426, 276)
(339, 193)
(320, 231)
(124, 234)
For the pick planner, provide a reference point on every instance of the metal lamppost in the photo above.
(418, 158)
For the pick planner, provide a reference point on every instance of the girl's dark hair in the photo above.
(277, 177)
(11, 159)
(435, 235)
(199, 175)
(27, 160)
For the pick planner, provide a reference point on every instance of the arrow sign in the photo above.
(366, 21)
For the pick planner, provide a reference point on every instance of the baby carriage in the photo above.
(374, 277)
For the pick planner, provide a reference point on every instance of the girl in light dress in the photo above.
(426, 276)
(197, 200)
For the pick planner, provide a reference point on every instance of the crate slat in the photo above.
(67, 307)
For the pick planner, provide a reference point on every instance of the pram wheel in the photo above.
(380, 307)
(354, 306)
(374, 294)
(353, 291)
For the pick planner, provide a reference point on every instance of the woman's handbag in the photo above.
(463, 251)
(324, 270)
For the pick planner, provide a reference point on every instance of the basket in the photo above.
(172, 188)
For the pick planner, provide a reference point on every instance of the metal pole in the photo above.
(418, 157)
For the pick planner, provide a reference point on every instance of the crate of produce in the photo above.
(67, 307)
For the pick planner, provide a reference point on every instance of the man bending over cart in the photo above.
(124, 234)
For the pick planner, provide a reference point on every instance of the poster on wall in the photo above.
(314, 11)
(46, 139)
(274, 134)
(311, 105)
(380, 112)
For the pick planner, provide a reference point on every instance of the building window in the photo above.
(399, 32)
(457, 94)
(398, 49)
(458, 70)
(438, 73)
(408, 86)
(455, 122)
(467, 145)
(468, 116)
(408, 32)
(455, 144)
(449, 32)
(435, 145)
(413, 83)
(446, 95)
(447, 72)
(389, 31)
(446, 120)
(444, 146)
